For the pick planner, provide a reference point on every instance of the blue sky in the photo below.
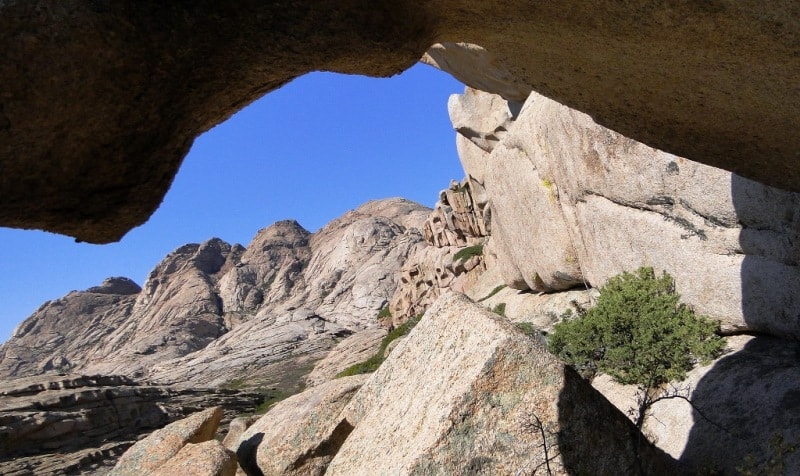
(312, 150)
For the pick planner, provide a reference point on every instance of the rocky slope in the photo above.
(80, 424)
(553, 205)
(214, 313)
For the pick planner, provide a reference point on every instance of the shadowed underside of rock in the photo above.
(100, 101)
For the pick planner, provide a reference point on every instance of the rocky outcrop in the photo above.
(452, 257)
(574, 203)
(737, 415)
(208, 458)
(101, 152)
(494, 402)
(217, 314)
(55, 338)
(157, 449)
(116, 329)
(300, 435)
(348, 278)
(73, 424)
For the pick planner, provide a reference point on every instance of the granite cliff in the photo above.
(212, 313)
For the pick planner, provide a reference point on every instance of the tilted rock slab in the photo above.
(574, 203)
(353, 350)
(154, 451)
(467, 392)
(299, 435)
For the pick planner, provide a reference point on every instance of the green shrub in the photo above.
(271, 397)
(370, 365)
(494, 291)
(384, 313)
(527, 328)
(639, 333)
(500, 309)
(468, 252)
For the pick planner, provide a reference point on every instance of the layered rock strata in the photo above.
(453, 255)
(75, 424)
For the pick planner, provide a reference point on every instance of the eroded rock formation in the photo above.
(465, 391)
(75, 424)
(215, 313)
(99, 103)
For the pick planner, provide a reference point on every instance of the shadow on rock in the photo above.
(246, 454)
(596, 438)
(747, 412)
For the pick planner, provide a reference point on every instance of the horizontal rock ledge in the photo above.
(100, 102)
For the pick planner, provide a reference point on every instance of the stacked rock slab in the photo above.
(461, 218)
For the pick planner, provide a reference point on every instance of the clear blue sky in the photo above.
(312, 150)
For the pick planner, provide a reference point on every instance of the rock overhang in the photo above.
(101, 102)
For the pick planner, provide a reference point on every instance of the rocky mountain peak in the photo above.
(116, 285)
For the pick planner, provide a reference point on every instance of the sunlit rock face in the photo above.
(574, 203)
(100, 102)
(213, 313)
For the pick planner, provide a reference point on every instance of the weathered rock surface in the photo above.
(574, 203)
(159, 447)
(62, 334)
(209, 458)
(461, 218)
(214, 313)
(300, 435)
(352, 350)
(101, 152)
(737, 415)
(348, 278)
(477, 409)
(74, 424)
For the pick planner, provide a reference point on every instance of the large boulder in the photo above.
(300, 435)
(466, 392)
(209, 458)
(737, 415)
(100, 102)
(159, 447)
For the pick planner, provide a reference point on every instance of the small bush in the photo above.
(370, 365)
(468, 252)
(500, 309)
(494, 291)
(271, 397)
(639, 333)
(384, 313)
(528, 329)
